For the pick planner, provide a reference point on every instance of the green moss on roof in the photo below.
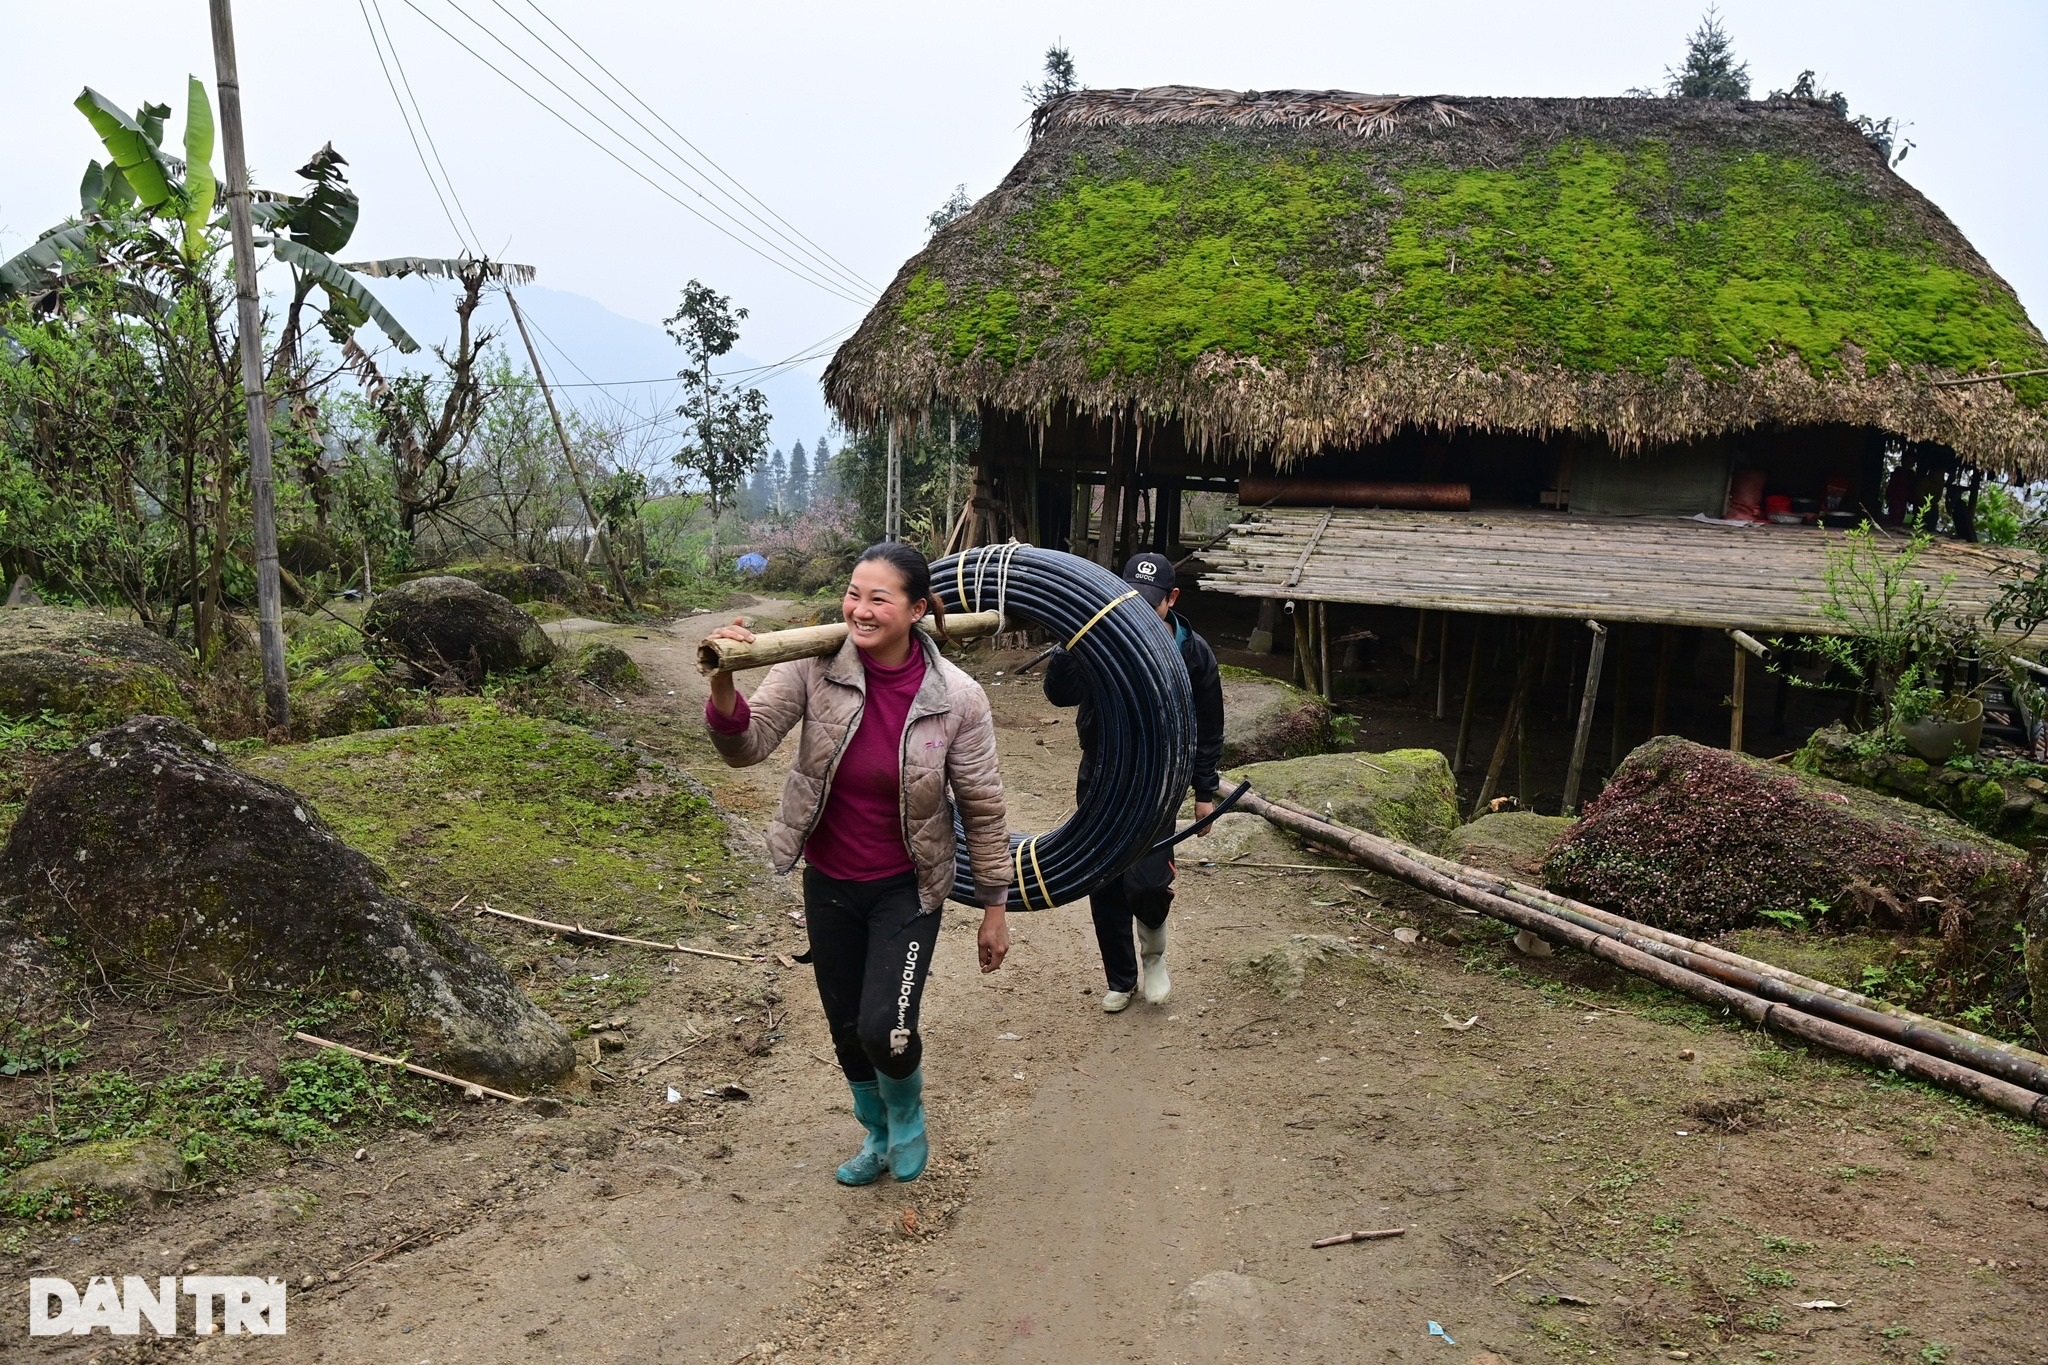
(1587, 257)
(1288, 272)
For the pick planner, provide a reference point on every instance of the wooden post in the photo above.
(249, 341)
(1112, 490)
(1517, 705)
(1735, 717)
(892, 495)
(1667, 642)
(1587, 702)
(1261, 641)
(568, 455)
(1127, 521)
(1618, 736)
(1443, 660)
(1323, 646)
(1745, 645)
(1471, 700)
(1298, 617)
(1421, 633)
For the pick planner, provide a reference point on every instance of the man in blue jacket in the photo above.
(1142, 896)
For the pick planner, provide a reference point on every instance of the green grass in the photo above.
(525, 814)
(217, 1115)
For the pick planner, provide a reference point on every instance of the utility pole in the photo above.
(249, 326)
(562, 434)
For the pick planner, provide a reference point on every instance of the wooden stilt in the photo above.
(1471, 700)
(1261, 641)
(1112, 491)
(1323, 646)
(1588, 700)
(1443, 660)
(1302, 629)
(1735, 717)
(1525, 766)
(1617, 738)
(1666, 645)
(1745, 645)
(1571, 678)
(1532, 655)
(1421, 634)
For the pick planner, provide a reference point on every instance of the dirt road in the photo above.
(1587, 1170)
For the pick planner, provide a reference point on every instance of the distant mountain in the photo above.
(581, 340)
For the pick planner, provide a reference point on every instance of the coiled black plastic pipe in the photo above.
(1144, 709)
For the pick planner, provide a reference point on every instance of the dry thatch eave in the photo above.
(1001, 310)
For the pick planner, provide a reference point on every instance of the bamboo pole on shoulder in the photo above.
(814, 642)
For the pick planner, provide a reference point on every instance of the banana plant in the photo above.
(141, 177)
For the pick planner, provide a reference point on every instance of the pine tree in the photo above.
(1710, 70)
(778, 482)
(1059, 76)
(798, 491)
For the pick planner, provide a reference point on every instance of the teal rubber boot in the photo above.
(865, 1166)
(908, 1150)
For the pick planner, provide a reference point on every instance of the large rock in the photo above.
(1265, 719)
(447, 629)
(172, 865)
(146, 1170)
(78, 663)
(1702, 840)
(1406, 794)
(527, 582)
(1512, 843)
(2008, 806)
(347, 695)
(38, 984)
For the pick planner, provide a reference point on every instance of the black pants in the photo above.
(871, 947)
(1144, 894)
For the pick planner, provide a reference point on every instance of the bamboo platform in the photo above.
(1657, 570)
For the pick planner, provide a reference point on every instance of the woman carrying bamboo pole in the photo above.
(889, 727)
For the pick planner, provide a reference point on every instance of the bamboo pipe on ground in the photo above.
(1390, 858)
(812, 642)
(1892, 1023)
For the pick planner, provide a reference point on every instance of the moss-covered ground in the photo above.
(524, 814)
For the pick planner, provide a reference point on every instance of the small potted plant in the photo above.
(1934, 723)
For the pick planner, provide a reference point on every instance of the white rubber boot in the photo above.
(1153, 982)
(1115, 1002)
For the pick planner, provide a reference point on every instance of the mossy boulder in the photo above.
(1512, 843)
(1406, 794)
(306, 551)
(606, 666)
(517, 582)
(448, 630)
(1265, 719)
(174, 866)
(145, 1170)
(1236, 835)
(2007, 802)
(1702, 840)
(348, 694)
(78, 663)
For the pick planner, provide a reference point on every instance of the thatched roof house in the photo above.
(1179, 285)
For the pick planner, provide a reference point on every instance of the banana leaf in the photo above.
(43, 257)
(442, 267)
(334, 277)
(133, 151)
(200, 186)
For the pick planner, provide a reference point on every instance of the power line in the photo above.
(475, 237)
(425, 169)
(799, 241)
(781, 262)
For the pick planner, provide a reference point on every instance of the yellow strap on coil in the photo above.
(1099, 615)
(1045, 895)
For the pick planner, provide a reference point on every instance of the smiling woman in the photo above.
(889, 728)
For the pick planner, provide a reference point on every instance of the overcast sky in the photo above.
(853, 121)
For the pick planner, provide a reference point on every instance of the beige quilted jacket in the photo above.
(949, 740)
